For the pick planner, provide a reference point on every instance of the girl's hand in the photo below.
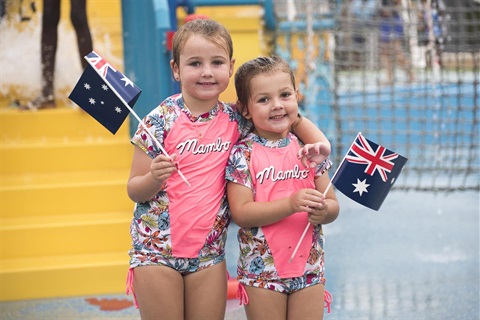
(162, 167)
(306, 200)
(314, 154)
(319, 214)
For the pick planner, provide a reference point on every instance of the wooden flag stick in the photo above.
(306, 229)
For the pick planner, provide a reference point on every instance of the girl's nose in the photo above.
(207, 72)
(277, 104)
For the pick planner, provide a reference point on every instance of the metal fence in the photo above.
(404, 73)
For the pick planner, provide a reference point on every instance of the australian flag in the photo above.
(368, 172)
(103, 92)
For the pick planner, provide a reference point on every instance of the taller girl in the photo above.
(177, 265)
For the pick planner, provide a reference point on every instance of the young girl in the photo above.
(177, 267)
(273, 198)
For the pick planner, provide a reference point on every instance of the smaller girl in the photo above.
(273, 198)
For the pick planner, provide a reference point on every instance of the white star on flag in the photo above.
(86, 86)
(360, 186)
(118, 109)
(128, 82)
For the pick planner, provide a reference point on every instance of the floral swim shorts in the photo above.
(183, 265)
(186, 266)
(286, 285)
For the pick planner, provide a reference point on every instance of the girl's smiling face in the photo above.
(204, 70)
(273, 105)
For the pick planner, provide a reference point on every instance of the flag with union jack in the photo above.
(368, 172)
(104, 93)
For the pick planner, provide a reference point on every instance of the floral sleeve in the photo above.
(323, 167)
(244, 125)
(158, 123)
(237, 167)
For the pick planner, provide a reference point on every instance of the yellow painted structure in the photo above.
(64, 210)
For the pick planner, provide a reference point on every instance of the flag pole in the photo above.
(141, 122)
(326, 190)
(306, 229)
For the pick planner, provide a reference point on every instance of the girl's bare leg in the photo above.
(78, 16)
(265, 304)
(159, 292)
(404, 60)
(49, 39)
(386, 51)
(206, 293)
(307, 303)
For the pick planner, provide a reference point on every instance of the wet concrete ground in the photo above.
(416, 258)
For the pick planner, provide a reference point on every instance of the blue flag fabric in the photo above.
(100, 92)
(368, 172)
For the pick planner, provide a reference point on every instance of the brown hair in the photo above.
(250, 69)
(207, 28)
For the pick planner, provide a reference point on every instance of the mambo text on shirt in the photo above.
(194, 147)
(272, 174)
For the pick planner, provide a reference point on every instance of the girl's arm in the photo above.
(317, 147)
(308, 132)
(247, 213)
(147, 175)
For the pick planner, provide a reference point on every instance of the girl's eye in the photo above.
(218, 62)
(262, 100)
(195, 64)
(286, 94)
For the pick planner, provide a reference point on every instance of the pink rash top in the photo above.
(276, 173)
(185, 227)
(195, 157)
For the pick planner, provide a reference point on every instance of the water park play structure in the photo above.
(164, 17)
